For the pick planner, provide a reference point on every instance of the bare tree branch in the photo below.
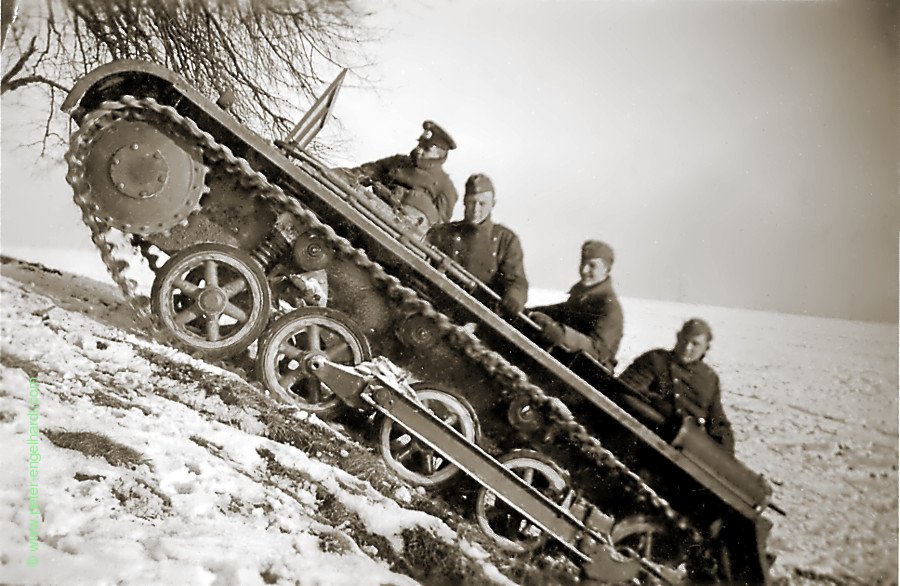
(7, 86)
(20, 62)
(276, 55)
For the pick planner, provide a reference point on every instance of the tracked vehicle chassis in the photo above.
(335, 252)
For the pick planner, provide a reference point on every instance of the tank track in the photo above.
(511, 377)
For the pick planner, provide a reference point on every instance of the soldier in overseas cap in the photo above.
(489, 251)
(415, 182)
(591, 319)
(677, 384)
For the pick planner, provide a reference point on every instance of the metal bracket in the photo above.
(575, 527)
(344, 381)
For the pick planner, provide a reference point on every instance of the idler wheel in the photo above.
(499, 521)
(415, 461)
(419, 332)
(312, 251)
(142, 179)
(285, 350)
(523, 416)
(213, 298)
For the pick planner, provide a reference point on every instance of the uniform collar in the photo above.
(673, 359)
(486, 225)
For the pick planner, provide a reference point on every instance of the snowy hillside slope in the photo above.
(215, 491)
(157, 468)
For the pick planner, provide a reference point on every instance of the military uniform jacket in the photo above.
(489, 251)
(592, 319)
(678, 390)
(426, 188)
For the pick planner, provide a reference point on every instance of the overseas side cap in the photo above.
(694, 327)
(479, 183)
(595, 249)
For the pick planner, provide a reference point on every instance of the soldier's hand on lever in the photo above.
(552, 331)
(539, 318)
(388, 195)
(512, 305)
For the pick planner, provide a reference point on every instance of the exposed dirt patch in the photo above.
(96, 445)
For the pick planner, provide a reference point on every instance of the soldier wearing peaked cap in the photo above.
(417, 181)
(489, 251)
(678, 384)
(591, 319)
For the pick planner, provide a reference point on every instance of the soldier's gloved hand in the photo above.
(385, 194)
(555, 334)
(511, 304)
(539, 318)
(398, 196)
(550, 330)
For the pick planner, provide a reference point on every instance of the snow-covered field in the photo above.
(154, 468)
(813, 402)
(196, 489)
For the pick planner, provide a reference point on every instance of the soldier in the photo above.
(416, 180)
(591, 319)
(489, 251)
(678, 384)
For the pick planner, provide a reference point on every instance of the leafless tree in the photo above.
(275, 55)
(7, 14)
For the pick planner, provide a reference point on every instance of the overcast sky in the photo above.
(733, 153)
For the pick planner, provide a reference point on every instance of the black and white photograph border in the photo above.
(515, 292)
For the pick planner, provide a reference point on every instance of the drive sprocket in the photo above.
(143, 180)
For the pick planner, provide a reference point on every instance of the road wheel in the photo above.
(296, 336)
(415, 461)
(213, 298)
(512, 531)
(639, 535)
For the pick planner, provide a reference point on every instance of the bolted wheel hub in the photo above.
(418, 332)
(310, 362)
(142, 176)
(212, 300)
(314, 361)
(139, 171)
(312, 252)
(523, 416)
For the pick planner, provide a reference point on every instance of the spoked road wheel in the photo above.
(213, 298)
(286, 347)
(415, 461)
(642, 536)
(512, 531)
